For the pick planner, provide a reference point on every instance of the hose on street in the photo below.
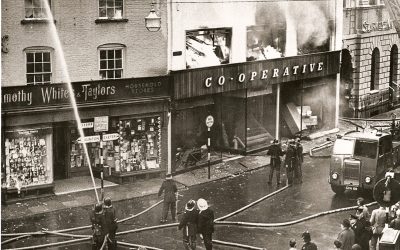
(232, 244)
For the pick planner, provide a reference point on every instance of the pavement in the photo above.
(229, 167)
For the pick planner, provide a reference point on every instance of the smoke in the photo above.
(312, 22)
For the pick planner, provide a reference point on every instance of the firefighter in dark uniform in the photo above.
(291, 161)
(189, 224)
(300, 158)
(111, 223)
(308, 244)
(275, 151)
(170, 189)
(98, 225)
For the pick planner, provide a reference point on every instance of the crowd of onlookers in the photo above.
(361, 231)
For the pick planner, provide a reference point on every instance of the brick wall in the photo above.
(146, 52)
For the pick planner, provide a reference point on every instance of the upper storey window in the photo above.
(36, 9)
(208, 47)
(111, 9)
(111, 61)
(38, 67)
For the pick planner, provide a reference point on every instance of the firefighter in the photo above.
(275, 151)
(110, 223)
(98, 225)
(170, 192)
(300, 158)
(189, 225)
(291, 161)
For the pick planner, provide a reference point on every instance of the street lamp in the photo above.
(152, 21)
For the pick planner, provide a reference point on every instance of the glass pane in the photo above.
(42, 13)
(103, 54)
(103, 64)
(366, 149)
(102, 12)
(111, 64)
(102, 3)
(119, 4)
(38, 57)
(38, 78)
(46, 67)
(38, 67)
(28, 4)
(343, 147)
(110, 12)
(103, 74)
(46, 57)
(29, 13)
(30, 68)
(110, 74)
(110, 54)
(46, 78)
(118, 64)
(118, 54)
(29, 57)
(118, 73)
(37, 3)
(36, 12)
(110, 3)
(29, 79)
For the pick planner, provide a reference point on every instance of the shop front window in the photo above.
(208, 47)
(28, 159)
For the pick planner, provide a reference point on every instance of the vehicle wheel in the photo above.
(338, 189)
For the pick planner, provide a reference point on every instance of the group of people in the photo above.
(197, 218)
(293, 161)
(104, 225)
(363, 230)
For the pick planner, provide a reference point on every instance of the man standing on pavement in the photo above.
(308, 244)
(98, 226)
(291, 161)
(275, 151)
(189, 224)
(346, 236)
(111, 224)
(170, 192)
(299, 148)
(205, 224)
(378, 220)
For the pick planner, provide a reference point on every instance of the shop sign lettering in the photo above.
(89, 139)
(266, 74)
(84, 92)
(100, 123)
(87, 125)
(376, 26)
(110, 137)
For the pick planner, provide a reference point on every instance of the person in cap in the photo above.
(205, 225)
(98, 226)
(308, 244)
(189, 224)
(291, 160)
(292, 244)
(275, 151)
(170, 192)
(110, 223)
(362, 210)
(299, 172)
(346, 236)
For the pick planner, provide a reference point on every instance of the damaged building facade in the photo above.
(254, 67)
(370, 58)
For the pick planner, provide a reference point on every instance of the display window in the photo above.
(28, 158)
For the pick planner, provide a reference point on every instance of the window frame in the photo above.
(51, 72)
(113, 17)
(45, 16)
(107, 47)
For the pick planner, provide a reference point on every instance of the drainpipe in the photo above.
(278, 102)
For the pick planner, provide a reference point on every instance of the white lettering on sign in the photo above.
(110, 137)
(87, 125)
(221, 80)
(376, 26)
(19, 96)
(101, 123)
(89, 139)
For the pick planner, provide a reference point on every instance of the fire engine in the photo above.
(360, 160)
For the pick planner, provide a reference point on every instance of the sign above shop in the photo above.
(376, 26)
(257, 75)
(110, 137)
(101, 124)
(87, 124)
(89, 139)
(84, 92)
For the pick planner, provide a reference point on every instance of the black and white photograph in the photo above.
(200, 124)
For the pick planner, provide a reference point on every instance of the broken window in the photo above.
(265, 42)
(208, 47)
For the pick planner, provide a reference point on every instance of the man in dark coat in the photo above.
(98, 226)
(300, 158)
(189, 224)
(170, 190)
(205, 225)
(291, 161)
(275, 151)
(111, 223)
(360, 227)
(308, 244)
(346, 236)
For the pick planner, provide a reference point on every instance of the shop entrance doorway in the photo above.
(60, 151)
